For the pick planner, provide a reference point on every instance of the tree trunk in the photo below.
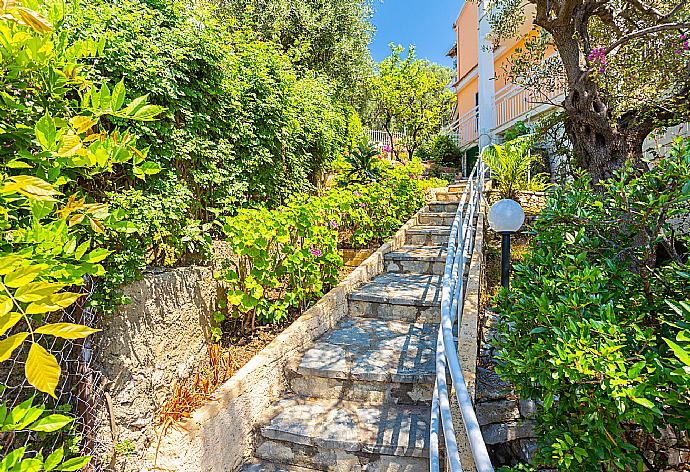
(601, 143)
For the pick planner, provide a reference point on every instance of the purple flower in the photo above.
(387, 148)
(316, 252)
(598, 57)
(356, 193)
(334, 224)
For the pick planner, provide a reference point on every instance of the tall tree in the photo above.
(410, 94)
(627, 66)
(328, 36)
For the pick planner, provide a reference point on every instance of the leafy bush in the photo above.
(595, 324)
(510, 164)
(285, 258)
(243, 124)
(281, 260)
(443, 149)
(57, 161)
(363, 165)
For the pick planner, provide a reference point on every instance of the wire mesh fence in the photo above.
(80, 391)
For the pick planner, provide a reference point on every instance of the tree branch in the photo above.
(648, 10)
(644, 32)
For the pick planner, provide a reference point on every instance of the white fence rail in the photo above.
(381, 138)
(460, 250)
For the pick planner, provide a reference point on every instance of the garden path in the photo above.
(359, 399)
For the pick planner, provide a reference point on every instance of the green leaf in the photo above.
(35, 291)
(97, 255)
(51, 423)
(12, 458)
(8, 320)
(19, 411)
(46, 132)
(42, 370)
(6, 305)
(118, 97)
(680, 353)
(23, 275)
(54, 459)
(75, 463)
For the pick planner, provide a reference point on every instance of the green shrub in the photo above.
(511, 163)
(595, 326)
(285, 258)
(243, 124)
(282, 259)
(445, 150)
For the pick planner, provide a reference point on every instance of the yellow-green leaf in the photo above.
(36, 291)
(42, 370)
(83, 123)
(8, 345)
(52, 303)
(35, 188)
(96, 225)
(7, 263)
(8, 320)
(66, 330)
(6, 305)
(23, 275)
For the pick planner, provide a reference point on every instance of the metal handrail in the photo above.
(460, 250)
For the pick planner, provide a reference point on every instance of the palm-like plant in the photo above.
(364, 165)
(510, 164)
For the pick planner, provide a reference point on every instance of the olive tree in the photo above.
(627, 67)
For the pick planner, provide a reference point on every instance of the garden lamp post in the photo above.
(506, 217)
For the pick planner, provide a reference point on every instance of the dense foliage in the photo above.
(286, 258)
(411, 95)
(442, 149)
(57, 161)
(328, 36)
(243, 123)
(596, 323)
(511, 165)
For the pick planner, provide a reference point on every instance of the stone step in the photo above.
(337, 435)
(436, 218)
(258, 466)
(457, 187)
(443, 207)
(369, 360)
(448, 196)
(427, 235)
(399, 296)
(417, 259)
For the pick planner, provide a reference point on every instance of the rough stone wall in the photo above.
(149, 344)
(531, 202)
(507, 422)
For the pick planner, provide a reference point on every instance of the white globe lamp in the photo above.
(506, 217)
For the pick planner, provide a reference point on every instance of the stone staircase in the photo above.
(359, 399)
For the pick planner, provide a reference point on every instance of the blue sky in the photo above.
(424, 23)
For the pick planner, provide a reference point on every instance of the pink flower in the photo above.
(362, 204)
(334, 224)
(316, 252)
(356, 193)
(387, 148)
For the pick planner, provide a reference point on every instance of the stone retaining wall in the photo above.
(160, 337)
(221, 435)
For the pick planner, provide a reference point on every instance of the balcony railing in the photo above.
(514, 102)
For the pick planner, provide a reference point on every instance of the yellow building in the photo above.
(506, 103)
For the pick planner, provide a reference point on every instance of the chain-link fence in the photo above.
(80, 391)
